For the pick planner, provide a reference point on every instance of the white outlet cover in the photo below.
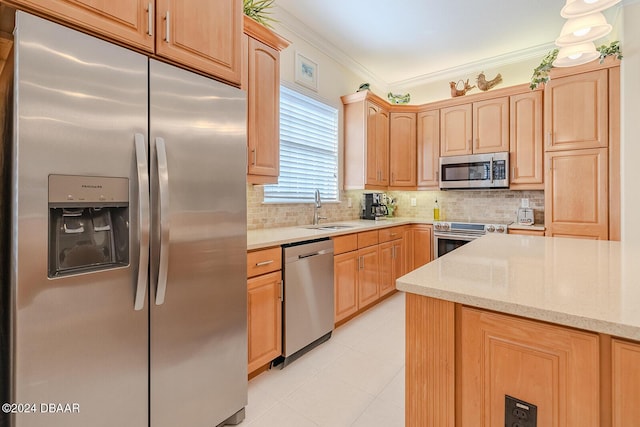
(413, 201)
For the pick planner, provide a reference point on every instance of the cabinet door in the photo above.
(127, 21)
(382, 146)
(368, 276)
(263, 115)
(576, 111)
(576, 194)
(391, 264)
(428, 134)
(422, 245)
(386, 268)
(264, 308)
(345, 281)
(625, 359)
(456, 130)
(491, 125)
(202, 34)
(526, 146)
(373, 171)
(552, 367)
(402, 152)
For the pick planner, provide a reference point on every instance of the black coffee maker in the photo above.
(373, 206)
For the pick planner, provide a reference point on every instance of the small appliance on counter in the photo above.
(373, 206)
(525, 213)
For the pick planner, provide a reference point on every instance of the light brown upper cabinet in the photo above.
(402, 149)
(261, 79)
(428, 148)
(366, 141)
(127, 21)
(577, 194)
(200, 34)
(582, 129)
(526, 142)
(479, 127)
(576, 111)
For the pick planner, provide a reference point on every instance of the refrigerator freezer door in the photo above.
(199, 328)
(76, 339)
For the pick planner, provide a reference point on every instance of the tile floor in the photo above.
(356, 379)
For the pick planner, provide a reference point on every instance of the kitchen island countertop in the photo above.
(586, 284)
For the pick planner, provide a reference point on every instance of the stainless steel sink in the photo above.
(330, 227)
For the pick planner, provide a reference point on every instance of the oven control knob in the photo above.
(500, 229)
(445, 227)
(491, 228)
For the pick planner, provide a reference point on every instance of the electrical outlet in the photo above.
(349, 203)
(414, 202)
(518, 413)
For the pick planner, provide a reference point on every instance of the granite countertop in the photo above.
(268, 237)
(586, 284)
(264, 238)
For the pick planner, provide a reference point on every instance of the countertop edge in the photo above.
(529, 312)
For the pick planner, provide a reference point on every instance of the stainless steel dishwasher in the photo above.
(308, 297)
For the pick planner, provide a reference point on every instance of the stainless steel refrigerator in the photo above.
(123, 289)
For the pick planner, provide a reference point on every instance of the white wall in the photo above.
(630, 125)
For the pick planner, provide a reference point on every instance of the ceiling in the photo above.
(397, 42)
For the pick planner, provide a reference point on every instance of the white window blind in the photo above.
(308, 150)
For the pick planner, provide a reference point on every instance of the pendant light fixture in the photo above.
(583, 29)
(576, 54)
(584, 24)
(576, 8)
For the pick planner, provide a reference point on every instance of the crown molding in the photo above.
(297, 27)
(472, 67)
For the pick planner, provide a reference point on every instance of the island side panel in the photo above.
(430, 362)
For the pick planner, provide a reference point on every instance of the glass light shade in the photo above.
(576, 8)
(583, 29)
(576, 54)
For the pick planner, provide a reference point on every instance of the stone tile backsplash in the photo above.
(494, 205)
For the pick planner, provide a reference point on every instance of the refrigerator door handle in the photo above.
(143, 220)
(163, 196)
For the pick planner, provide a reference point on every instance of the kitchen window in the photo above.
(308, 150)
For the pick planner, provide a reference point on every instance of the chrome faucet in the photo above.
(317, 205)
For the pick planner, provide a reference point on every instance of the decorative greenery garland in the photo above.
(541, 72)
(257, 10)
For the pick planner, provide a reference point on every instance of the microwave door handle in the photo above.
(163, 186)
(143, 219)
(491, 170)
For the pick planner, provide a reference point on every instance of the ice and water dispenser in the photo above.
(88, 223)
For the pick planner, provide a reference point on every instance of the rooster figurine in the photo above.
(485, 85)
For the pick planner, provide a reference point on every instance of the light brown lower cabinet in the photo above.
(365, 267)
(264, 307)
(552, 367)
(422, 238)
(625, 383)
(462, 361)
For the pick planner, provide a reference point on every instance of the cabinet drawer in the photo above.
(367, 238)
(346, 243)
(264, 261)
(391, 233)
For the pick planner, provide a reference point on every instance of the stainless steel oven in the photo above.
(448, 236)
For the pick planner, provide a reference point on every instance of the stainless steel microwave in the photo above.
(475, 171)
